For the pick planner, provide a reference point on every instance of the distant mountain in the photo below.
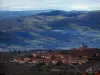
(11, 14)
(53, 30)
(63, 13)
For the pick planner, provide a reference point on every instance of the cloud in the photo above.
(49, 4)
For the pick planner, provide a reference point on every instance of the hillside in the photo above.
(55, 29)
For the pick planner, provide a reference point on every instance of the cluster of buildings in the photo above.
(48, 58)
(77, 56)
(53, 57)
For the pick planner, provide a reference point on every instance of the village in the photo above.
(77, 57)
(50, 58)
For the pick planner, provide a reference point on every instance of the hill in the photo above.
(55, 30)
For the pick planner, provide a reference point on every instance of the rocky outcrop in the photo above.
(94, 69)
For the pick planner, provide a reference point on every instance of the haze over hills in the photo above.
(53, 30)
(13, 14)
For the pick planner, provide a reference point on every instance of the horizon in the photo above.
(47, 9)
(67, 5)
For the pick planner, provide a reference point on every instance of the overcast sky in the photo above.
(49, 4)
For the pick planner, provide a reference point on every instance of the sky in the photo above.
(49, 4)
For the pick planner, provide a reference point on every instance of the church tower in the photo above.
(84, 46)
